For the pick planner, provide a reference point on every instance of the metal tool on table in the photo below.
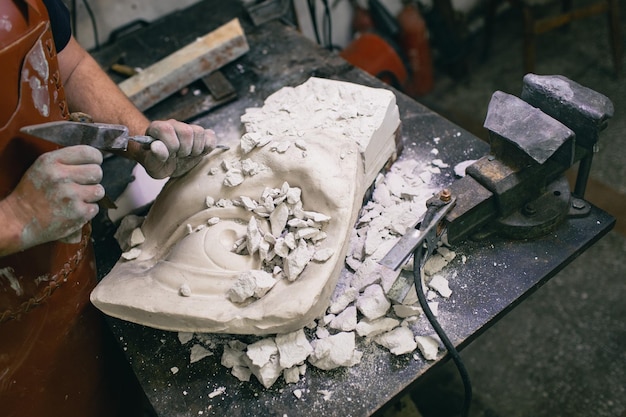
(519, 190)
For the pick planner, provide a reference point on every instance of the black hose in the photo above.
(454, 354)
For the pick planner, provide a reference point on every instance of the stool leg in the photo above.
(615, 37)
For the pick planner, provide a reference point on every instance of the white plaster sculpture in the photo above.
(253, 241)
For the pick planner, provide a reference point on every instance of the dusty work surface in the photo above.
(496, 275)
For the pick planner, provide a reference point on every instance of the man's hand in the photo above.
(55, 197)
(180, 147)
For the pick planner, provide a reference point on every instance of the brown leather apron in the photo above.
(51, 357)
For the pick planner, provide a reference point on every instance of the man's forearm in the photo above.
(90, 90)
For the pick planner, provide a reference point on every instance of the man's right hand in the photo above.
(54, 199)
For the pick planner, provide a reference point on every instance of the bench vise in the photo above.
(519, 189)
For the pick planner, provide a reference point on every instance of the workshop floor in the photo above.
(561, 352)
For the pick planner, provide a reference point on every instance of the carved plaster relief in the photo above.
(252, 241)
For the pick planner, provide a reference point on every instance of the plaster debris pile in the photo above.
(360, 312)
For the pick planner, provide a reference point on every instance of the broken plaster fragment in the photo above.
(184, 337)
(268, 373)
(440, 284)
(254, 283)
(198, 352)
(131, 254)
(136, 237)
(326, 394)
(335, 351)
(428, 346)
(399, 340)
(342, 301)
(371, 328)
(293, 348)
(233, 177)
(435, 263)
(404, 311)
(184, 290)
(322, 255)
(242, 373)
(291, 375)
(123, 233)
(232, 357)
(260, 352)
(373, 303)
(217, 391)
(345, 321)
(297, 260)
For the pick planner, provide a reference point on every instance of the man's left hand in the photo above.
(179, 147)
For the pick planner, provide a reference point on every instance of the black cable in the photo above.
(454, 354)
(328, 28)
(93, 24)
(313, 14)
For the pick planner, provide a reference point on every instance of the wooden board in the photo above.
(194, 61)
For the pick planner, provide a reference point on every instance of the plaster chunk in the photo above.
(253, 283)
(335, 351)
(131, 254)
(373, 303)
(291, 375)
(322, 255)
(137, 237)
(293, 348)
(184, 337)
(268, 373)
(253, 235)
(459, 169)
(404, 311)
(249, 167)
(281, 248)
(127, 226)
(294, 195)
(242, 373)
(399, 340)
(249, 141)
(198, 352)
(366, 275)
(233, 178)
(434, 308)
(440, 284)
(278, 219)
(321, 332)
(342, 301)
(232, 357)
(184, 290)
(428, 346)
(296, 261)
(262, 351)
(316, 217)
(447, 254)
(217, 392)
(249, 203)
(345, 321)
(371, 328)
(434, 264)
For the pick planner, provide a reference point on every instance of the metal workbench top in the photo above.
(497, 274)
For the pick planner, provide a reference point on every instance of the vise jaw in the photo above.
(519, 189)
